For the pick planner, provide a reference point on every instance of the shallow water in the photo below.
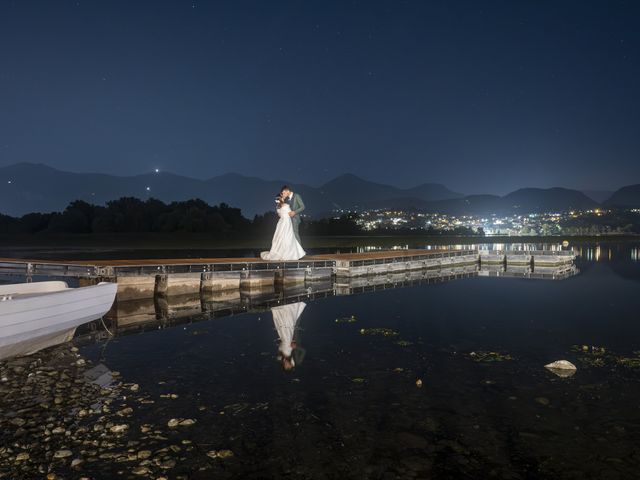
(352, 407)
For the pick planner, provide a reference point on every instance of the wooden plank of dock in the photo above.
(376, 255)
(341, 260)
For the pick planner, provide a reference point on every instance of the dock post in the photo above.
(160, 286)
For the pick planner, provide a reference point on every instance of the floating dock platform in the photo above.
(149, 277)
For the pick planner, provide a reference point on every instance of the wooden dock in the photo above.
(148, 277)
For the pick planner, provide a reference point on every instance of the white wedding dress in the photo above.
(284, 245)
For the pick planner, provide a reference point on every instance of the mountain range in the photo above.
(29, 187)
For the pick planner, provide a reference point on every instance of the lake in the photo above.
(439, 377)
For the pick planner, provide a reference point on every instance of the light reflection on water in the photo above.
(608, 252)
(515, 246)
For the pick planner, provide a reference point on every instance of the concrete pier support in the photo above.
(257, 279)
(286, 277)
(518, 260)
(220, 281)
(460, 261)
(492, 258)
(136, 287)
(178, 283)
(183, 283)
(319, 274)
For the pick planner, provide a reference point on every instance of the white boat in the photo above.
(36, 315)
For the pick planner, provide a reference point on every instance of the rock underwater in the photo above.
(562, 368)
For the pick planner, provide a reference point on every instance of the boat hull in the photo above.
(33, 317)
(35, 344)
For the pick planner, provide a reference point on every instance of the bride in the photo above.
(284, 245)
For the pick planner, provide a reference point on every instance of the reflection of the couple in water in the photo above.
(286, 320)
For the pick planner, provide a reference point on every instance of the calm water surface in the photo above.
(352, 408)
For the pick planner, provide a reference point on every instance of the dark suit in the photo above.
(297, 206)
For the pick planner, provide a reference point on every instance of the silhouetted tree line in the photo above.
(132, 215)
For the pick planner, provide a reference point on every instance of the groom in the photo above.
(297, 206)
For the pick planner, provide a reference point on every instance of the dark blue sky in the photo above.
(484, 96)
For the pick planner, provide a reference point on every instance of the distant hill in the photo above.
(431, 192)
(598, 195)
(28, 187)
(524, 200)
(472, 204)
(628, 196)
(547, 200)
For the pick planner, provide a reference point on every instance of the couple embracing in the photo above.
(286, 239)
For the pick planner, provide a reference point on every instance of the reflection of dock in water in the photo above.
(560, 272)
(363, 284)
(162, 311)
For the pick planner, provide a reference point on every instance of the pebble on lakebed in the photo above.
(181, 422)
(221, 454)
(562, 368)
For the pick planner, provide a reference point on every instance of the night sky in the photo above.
(483, 96)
